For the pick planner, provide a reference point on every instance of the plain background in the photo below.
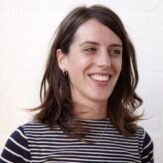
(26, 30)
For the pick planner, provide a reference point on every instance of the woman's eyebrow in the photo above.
(97, 44)
(89, 42)
(116, 45)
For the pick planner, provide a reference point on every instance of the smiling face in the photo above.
(93, 63)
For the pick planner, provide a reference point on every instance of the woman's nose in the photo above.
(104, 59)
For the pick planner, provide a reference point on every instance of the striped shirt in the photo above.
(35, 142)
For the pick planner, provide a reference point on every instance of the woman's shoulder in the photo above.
(143, 135)
(146, 146)
(22, 132)
(38, 128)
(16, 148)
(142, 132)
(34, 125)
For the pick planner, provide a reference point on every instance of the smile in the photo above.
(98, 77)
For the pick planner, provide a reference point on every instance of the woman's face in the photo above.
(93, 63)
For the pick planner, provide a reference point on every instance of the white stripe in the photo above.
(19, 144)
(81, 153)
(148, 145)
(5, 160)
(10, 151)
(22, 134)
(146, 156)
(43, 143)
(90, 138)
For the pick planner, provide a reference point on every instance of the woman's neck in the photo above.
(95, 111)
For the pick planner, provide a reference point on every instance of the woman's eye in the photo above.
(90, 50)
(115, 52)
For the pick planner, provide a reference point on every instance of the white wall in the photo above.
(26, 27)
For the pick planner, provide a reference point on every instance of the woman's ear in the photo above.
(62, 60)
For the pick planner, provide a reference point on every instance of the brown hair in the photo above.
(56, 106)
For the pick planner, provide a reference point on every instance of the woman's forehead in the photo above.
(94, 31)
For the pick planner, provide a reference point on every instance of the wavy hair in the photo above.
(56, 100)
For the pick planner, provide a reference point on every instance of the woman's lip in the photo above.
(100, 83)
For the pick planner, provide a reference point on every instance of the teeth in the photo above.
(100, 77)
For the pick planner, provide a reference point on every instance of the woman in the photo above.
(88, 97)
